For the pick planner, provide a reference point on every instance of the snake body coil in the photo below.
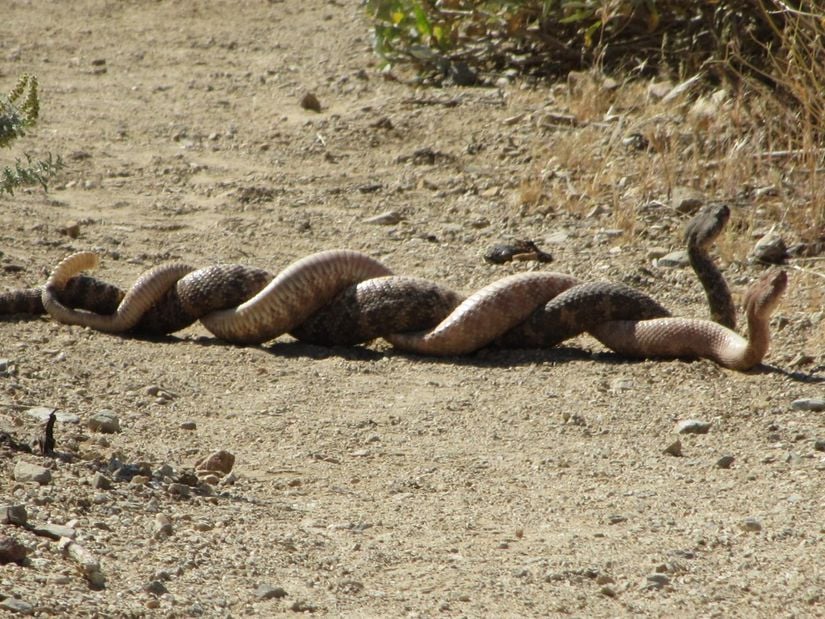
(345, 297)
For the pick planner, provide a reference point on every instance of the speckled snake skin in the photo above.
(343, 297)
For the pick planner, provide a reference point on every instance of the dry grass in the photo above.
(719, 143)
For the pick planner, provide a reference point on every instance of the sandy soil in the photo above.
(368, 482)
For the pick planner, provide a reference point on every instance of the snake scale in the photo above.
(343, 297)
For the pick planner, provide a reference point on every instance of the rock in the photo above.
(620, 384)
(656, 581)
(751, 525)
(770, 249)
(182, 491)
(674, 449)
(655, 253)
(686, 200)
(71, 229)
(725, 462)
(692, 426)
(520, 250)
(268, 592)
(54, 531)
(6, 368)
(387, 218)
(42, 413)
(819, 445)
(302, 606)
(101, 482)
(188, 425)
(310, 102)
(127, 471)
(18, 606)
(219, 461)
(27, 472)
(155, 587)
(13, 514)
(162, 526)
(659, 90)
(11, 551)
(88, 564)
(809, 404)
(104, 421)
(608, 591)
(675, 259)
(162, 575)
(229, 480)
(462, 74)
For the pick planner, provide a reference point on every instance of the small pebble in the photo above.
(674, 449)
(656, 581)
(387, 218)
(771, 249)
(819, 445)
(155, 587)
(692, 426)
(188, 425)
(42, 413)
(71, 229)
(655, 253)
(55, 531)
(17, 606)
(725, 462)
(26, 472)
(809, 404)
(751, 525)
(183, 491)
(268, 592)
(310, 102)
(302, 606)
(11, 551)
(104, 421)
(686, 200)
(13, 514)
(220, 461)
(675, 259)
(621, 384)
(162, 526)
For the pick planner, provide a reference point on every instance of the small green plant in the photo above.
(19, 111)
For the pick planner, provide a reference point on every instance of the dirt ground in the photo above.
(369, 483)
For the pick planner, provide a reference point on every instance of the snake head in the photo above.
(706, 225)
(763, 295)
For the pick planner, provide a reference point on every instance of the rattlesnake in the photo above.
(344, 297)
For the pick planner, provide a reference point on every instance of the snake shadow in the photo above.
(484, 358)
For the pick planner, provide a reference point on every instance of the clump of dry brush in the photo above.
(767, 56)
(773, 45)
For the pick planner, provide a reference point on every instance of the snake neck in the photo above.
(759, 339)
(720, 301)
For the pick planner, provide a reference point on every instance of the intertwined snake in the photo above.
(342, 297)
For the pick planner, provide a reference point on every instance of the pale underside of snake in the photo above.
(344, 297)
